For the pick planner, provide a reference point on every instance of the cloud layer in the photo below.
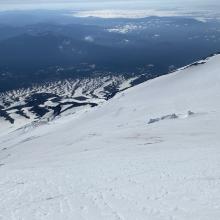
(169, 5)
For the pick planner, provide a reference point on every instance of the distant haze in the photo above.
(202, 9)
(58, 4)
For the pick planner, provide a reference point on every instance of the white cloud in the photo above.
(89, 39)
(124, 13)
(141, 8)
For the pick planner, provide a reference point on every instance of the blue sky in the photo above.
(152, 2)
(157, 4)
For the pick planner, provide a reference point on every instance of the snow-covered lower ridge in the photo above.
(44, 102)
(111, 163)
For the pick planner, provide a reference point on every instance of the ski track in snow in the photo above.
(109, 163)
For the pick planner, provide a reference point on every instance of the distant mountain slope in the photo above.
(49, 100)
(151, 152)
(36, 53)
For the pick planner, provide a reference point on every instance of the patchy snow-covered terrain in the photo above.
(45, 102)
(152, 152)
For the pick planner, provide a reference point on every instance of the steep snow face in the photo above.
(151, 152)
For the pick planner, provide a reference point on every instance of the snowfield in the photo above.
(150, 153)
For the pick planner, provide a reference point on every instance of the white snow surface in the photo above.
(108, 163)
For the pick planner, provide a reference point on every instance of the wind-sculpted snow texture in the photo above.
(108, 163)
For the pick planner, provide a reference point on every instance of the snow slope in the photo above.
(127, 159)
